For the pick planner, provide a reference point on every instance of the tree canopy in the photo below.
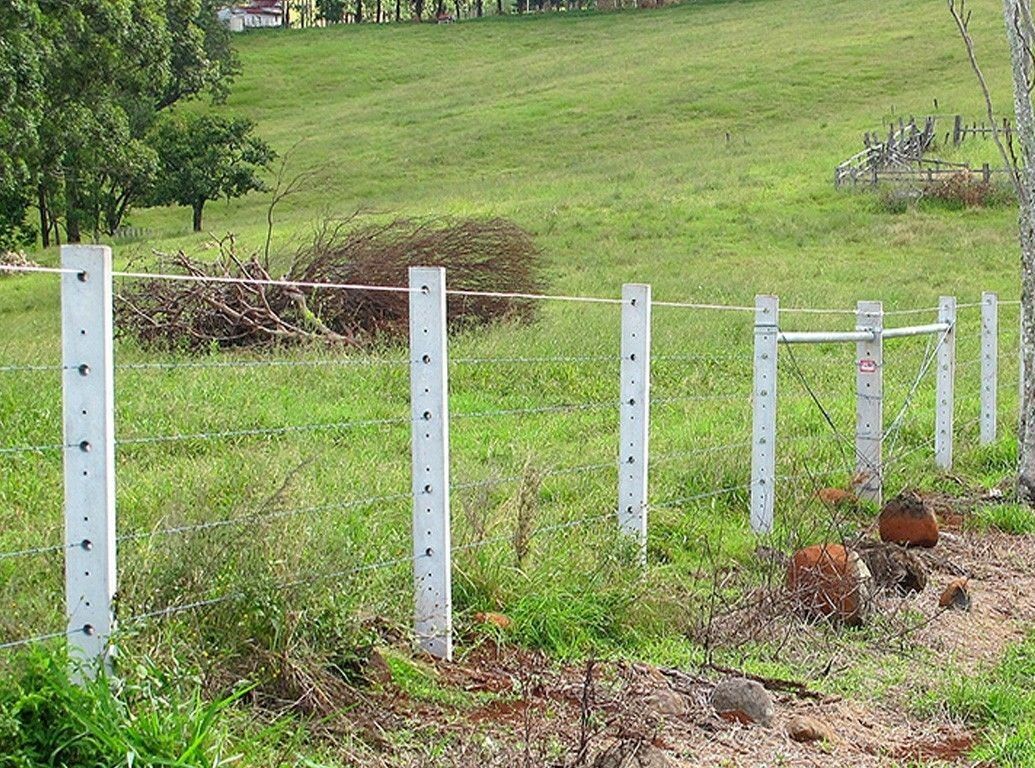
(81, 86)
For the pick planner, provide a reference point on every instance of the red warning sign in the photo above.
(867, 366)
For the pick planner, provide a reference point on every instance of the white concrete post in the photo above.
(869, 402)
(89, 456)
(944, 397)
(989, 366)
(433, 611)
(763, 437)
(634, 414)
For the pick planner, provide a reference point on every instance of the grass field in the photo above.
(604, 136)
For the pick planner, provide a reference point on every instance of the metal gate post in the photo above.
(433, 611)
(869, 402)
(634, 413)
(989, 366)
(944, 403)
(763, 431)
(88, 394)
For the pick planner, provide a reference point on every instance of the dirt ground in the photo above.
(598, 715)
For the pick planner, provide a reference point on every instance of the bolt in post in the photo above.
(763, 432)
(634, 413)
(88, 395)
(944, 403)
(989, 366)
(869, 402)
(433, 609)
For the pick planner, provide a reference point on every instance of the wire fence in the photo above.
(264, 470)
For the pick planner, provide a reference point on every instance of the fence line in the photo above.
(88, 368)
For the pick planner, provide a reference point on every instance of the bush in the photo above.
(491, 256)
(964, 190)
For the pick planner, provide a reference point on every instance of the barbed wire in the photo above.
(33, 368)
(37, 639)
(259, 517)
(171, 365)
(12, 449)
(262, 431)
(33, 551)
(562, 408)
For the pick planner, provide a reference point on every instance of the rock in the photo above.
(495, 619)
(633, 753)
(742, 700)
(828, 581)
(665, 701)
(906, 520)
(956, 596)
(892, 567)
(804, 728)
(836, 497)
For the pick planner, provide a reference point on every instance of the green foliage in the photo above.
(1002, 703)
(142, 718)
(331, 10)
(80, 86)
(206, 157)
(1016, 519)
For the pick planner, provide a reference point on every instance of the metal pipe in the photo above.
(915, 330)
(825, 337)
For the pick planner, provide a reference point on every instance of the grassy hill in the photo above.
(690, 147)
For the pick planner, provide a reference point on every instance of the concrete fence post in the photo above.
(89, 456)
(989, 366)
(763, 431)
(634, 413)
(432, 579)
(945, 386)
(869, 399)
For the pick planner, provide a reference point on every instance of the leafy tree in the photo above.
(207, 157)
(81, 85)
(331, 11)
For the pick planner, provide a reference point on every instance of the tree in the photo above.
(78, 102)
(1020, 36)
(331, 11)
(207, 157)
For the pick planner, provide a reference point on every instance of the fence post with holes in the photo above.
(763, 431)
(88, 397)
(634, 413)
(869, 402)
(433, 610)
(943, 421)
(989, 366)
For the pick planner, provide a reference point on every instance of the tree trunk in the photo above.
(41, 197)
(479, 8)
(198, 207)
(398, 10)
(1018, 35)
(499, 7)
(72, 234)
(359, 11)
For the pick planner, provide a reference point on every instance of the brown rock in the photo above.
(495, 619)
(743, 701)
(828, 581)
(804, 728)
(906, 520)
(956, 596)
(893, 567)
(665, 701)
(836, 497)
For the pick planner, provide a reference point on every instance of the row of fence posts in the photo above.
(89, 453)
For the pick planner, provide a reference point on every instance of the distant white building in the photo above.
(252, 14)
